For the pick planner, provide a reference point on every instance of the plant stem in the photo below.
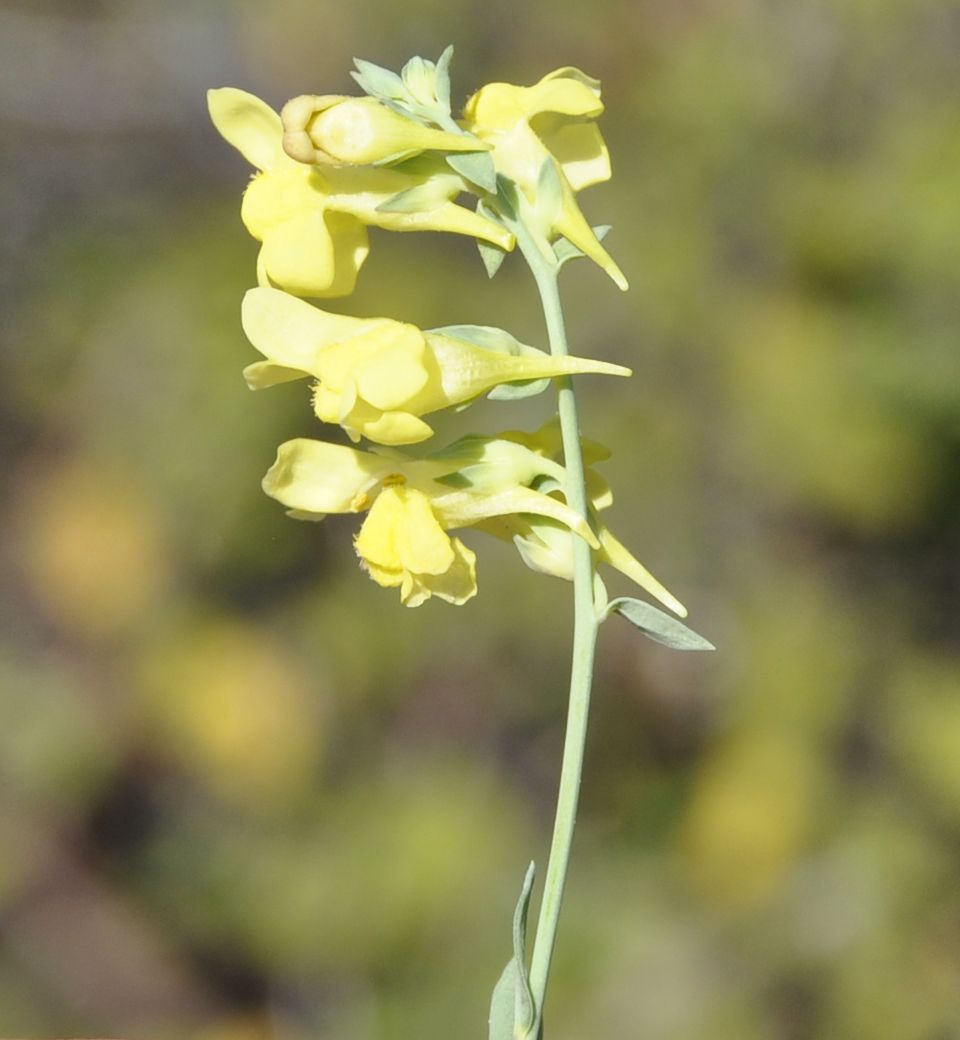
(584, 638)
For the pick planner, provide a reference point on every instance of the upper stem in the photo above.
(584, 636)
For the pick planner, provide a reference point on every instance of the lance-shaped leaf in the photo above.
(658, 625)
(513, 1013)
(477, 167)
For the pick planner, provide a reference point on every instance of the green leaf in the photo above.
(443, 78)
(491, 255)
(513, 1014)
(378, 81)
(477, 167)
(656, 624)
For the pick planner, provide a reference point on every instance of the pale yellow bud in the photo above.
(345, 131)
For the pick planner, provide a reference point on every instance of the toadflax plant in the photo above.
(329, 167)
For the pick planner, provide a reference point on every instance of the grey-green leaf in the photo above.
(513, 1014)
(658, 625)
(443, 78)
(418, 77)
(565, 250)
(487, 337)
(378, 81)
(477, 167)
(549, 192)
(517, 391)
(491, 255)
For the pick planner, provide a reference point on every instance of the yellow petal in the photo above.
(447, 217)
(394, 372)
(462, 509)
(564, 94)
(281, 195)
(250, 125)
(385, 576)
(317, 477)
(617, 555)
(456, 585)
(402, 533)
(423, 545)
(395, 428)
(580, 150)
(467, 370)
(498, 106)
(573, 225)
(314, 256)
(292, 332)
(262, 374)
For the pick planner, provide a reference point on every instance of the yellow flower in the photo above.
(403, 542)
(376, 376)
(312, 222)
(336, 130)
(545, 546)
(552, 119)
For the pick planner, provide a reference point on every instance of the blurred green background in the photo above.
(243, 794)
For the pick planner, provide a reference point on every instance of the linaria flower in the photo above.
(312, 221)
(552, 119)
(413, 504)
(376, 376)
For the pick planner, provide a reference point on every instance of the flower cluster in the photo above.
(326, 169)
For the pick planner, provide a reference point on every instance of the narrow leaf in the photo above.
(517, 391)
(565, 250)
(658, 625)
(513, 1014)
(508, 199)
(491, 255)
(418, 76)
(378, 81)
(549, 193)
(443, 78)
(477, 167)
(503, 1004)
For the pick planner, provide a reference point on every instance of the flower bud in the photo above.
(346, 131)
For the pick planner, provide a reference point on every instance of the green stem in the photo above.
(584, 636)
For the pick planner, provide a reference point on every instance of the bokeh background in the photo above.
(245, 795)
